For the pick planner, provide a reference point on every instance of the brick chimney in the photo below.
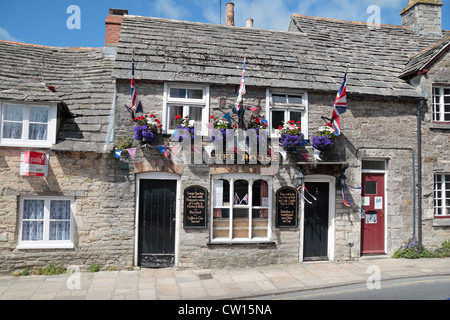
(230, 14)
(113, 23)
(424, 17)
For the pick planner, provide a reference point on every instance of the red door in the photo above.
(372, 216)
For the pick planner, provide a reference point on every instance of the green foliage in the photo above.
(413, 250)
(50, 269)
(94, 268)
(123, 143)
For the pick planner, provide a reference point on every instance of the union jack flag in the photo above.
(136, 104)
(236, 198)
(245, 199)
(339, 107)
(241, 88)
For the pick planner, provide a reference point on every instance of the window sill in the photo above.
(441, 221)
(262, 243)
(43, 246)
(440, 125)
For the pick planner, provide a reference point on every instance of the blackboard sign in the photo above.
(195, 207)
(287, 204)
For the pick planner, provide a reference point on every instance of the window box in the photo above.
(46, 223)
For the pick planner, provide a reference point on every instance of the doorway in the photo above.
(318, 219)
(373, 213)
(157, 207)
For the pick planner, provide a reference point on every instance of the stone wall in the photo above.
(104, 209)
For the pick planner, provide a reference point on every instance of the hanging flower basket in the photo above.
(291, 136)
(184, 123)
(147, 129)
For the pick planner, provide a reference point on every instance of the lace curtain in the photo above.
(33, 220)
(13, 121)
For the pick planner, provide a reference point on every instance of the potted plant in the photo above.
(147, 129)
(324, 140)
(291, 135)
(183, 123)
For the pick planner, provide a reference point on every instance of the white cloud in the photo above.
(5, 35)
(168, 9)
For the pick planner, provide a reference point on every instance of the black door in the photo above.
(157, 207)
(315, 240)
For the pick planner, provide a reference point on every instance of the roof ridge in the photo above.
(48, 47)
(347, 21)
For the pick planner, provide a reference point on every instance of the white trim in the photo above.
(45, 243)
(331, 214)
(24, 142)
(231, 177)
(178, 220)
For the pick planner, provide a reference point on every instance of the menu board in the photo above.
(195, 207)
(286, 204)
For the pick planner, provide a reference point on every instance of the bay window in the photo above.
(241, 208)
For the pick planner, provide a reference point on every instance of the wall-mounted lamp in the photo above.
(342, 180)
(300, 179)
(222, 103)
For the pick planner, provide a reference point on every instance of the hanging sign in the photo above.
(286, 204)
(195, 207)
(34, 164)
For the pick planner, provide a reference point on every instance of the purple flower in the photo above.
(321, 142)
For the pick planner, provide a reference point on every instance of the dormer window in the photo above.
(24, 125)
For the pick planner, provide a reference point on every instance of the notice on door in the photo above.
(195, 207)
(286, 204)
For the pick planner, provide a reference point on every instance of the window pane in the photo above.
(240, 223)
(60, 209)
(374, 165)
(195, 113)
(371, 187)
(277, 119)
(195, 94)
(13, 113)
(221, 193)
(33, 231)
(295, 100)
(37, 132)
(12, 130)
(221, 216)
(33, 209)
(39, 114)
(173, 112)
(178, 93)
(59, 230)
(279, 98)
(241, 192)
(296, 117)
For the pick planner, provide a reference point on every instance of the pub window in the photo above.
(186, 101)
(442, 195)
(46, 222)
(241, 207)
(441, 104)
(284, 107)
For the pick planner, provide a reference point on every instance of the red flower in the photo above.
(157, 121)
(152, 116)
(234, 126)
(160, 126)
(298, 122)
(178, 117)
(136, 119)
(280, 127)
(142, 118)
(212, 116)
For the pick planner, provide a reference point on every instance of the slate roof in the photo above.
(82, 82)
(312, 56)
(426, 58)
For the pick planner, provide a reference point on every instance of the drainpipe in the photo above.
(419, 170)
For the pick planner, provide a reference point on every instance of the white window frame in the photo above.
(185, 103)
(444, 199)
(439, 104)
(25, 142)
(287, 108)
(251, 178)
(46, 243)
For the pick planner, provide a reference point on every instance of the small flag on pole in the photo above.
(136, 104)
(340, 106)
(241, 88)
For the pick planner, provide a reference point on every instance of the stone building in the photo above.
(183, 202)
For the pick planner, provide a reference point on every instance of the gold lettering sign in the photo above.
(287, 207)
(195, 207)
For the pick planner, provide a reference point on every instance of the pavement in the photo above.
(215, 284)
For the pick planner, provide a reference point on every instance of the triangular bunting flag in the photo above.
(227, 117)
(132, 152)
(163, 150)
(117, 153)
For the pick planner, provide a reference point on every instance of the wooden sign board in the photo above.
(287, 207)
(195, 207)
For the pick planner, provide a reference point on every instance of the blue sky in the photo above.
(44, 22)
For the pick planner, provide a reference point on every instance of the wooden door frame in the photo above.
(386, 209)
(158, 176)
(331, 214)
